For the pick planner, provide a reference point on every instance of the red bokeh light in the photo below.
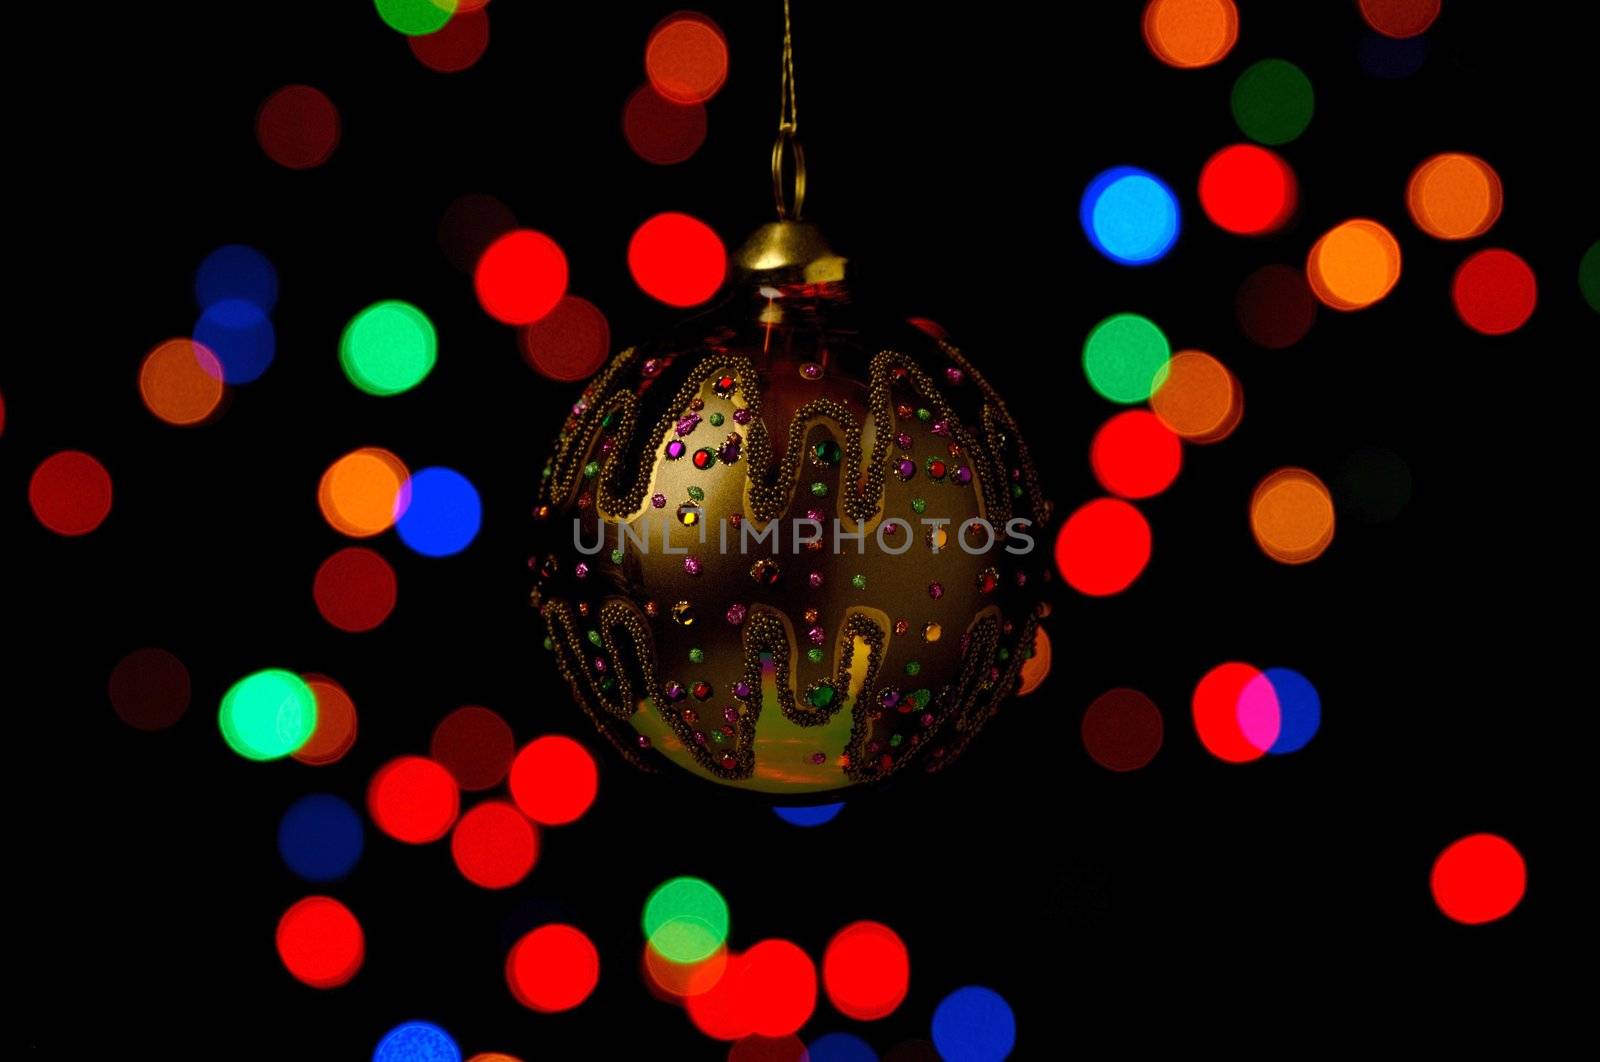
(413, 799)
(1400, 18)
(569, 343)
(149, 689)
(335, 732)
(1122, 730)
(1216, 712)
(554, 780)
(1135, 455)
(320, 942)
(1275, 307)
(660, 130)
(355, 589)
(455, 47)
(70, 493)
(494, 846)
(553, 968)
(686, 58)
(298, 127)
(1248, 190)
(780, 988)
(677, 259)
(1495, 292)
(1102, 548)
(521, 277)
(475, 745)
(1480, 878)
(866, 971)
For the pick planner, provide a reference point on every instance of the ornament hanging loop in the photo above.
(789, 206)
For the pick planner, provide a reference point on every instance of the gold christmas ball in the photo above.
(787, 548)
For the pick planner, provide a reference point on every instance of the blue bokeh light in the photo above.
(1130, 215)
(321, 837)
(974, 1024)
(417, 1041)
(442, 514)
(814, 815)
(234, 271)
(1391, 58)
(1299, 709)
(241, 337)
(840, 1047)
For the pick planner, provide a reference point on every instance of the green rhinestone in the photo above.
(922, 697)
(826, 452)
(814, 655)
(919, 505)
(546, 472)
(924, 415)
(821, 695)
(591, 469)
(718, 736)
(697, 655)
(549, 644)
(616, 556)
(609, 419)
(819, 489)
(716, 420)
(697, 494)
(858, 581)
(894, 741)
(1016, 490)
(608, 683)
(594, 637)
(1004, 654)
(913, 668)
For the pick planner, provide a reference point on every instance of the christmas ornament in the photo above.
(790, 547)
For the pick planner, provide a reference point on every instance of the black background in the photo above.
(947, 152)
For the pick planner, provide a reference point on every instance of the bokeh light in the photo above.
(554, 780)
(569, 343)
(181, 382)
(455, 47)
(866, 971)
(235, 271)
(1036, 668)
(1122, 730)
(686, 58)
(1200, 401)
(1494, 292)
(1588, 280)
(1400, 18)
(1289, 698)
(721, 1010)
(149, 689)
(321, 837)
(521, 277)
(267, 715)
(469, 225)
(442, 514)
(494, 846)
(320, 942)
(1258, 713)
(362, 492)
(413, 799)
(1102, 548)
(416, 1041)
(1480, 878)
(388, 348)
(1291, 515)
(416, 17)
(677, 259)
(475, 745)
(1190, 33)
(974, 1024)
(768, 1049)
(70, 493)
(1248, 190)
(239, 336)
(1391, 59)
(1273, 101)
(661, 131)
(779, 988)
(1454, 196)
(840, 1047)
(335, 731)
(813, 815)
(1135, 455)
(1275, 307)
(1130, 215)
(686, 919)
(1124, 357)
(1373, 484)
(1216, 705)
(1354, 264)
(355, 589)
(298, 127)
(675, 981)
(553, 968)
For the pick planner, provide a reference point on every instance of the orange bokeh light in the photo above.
(363, 493)
(1191, 33)
(336, 723)
(1200, 401)
(181, 382)
(1454, 196)
(687, 58)
(1291, 515)
(1036, 668)
(1354, 264)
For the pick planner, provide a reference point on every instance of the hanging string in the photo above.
(788, 143)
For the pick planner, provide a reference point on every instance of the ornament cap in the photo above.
(788, 252)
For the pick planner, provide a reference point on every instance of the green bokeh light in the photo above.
(388, 348)
(416, 17)
(686, 920)
(1125, 358)
(1589, 276)
(268, 715)
(1273, 101)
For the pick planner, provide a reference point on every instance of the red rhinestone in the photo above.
(701, 690)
